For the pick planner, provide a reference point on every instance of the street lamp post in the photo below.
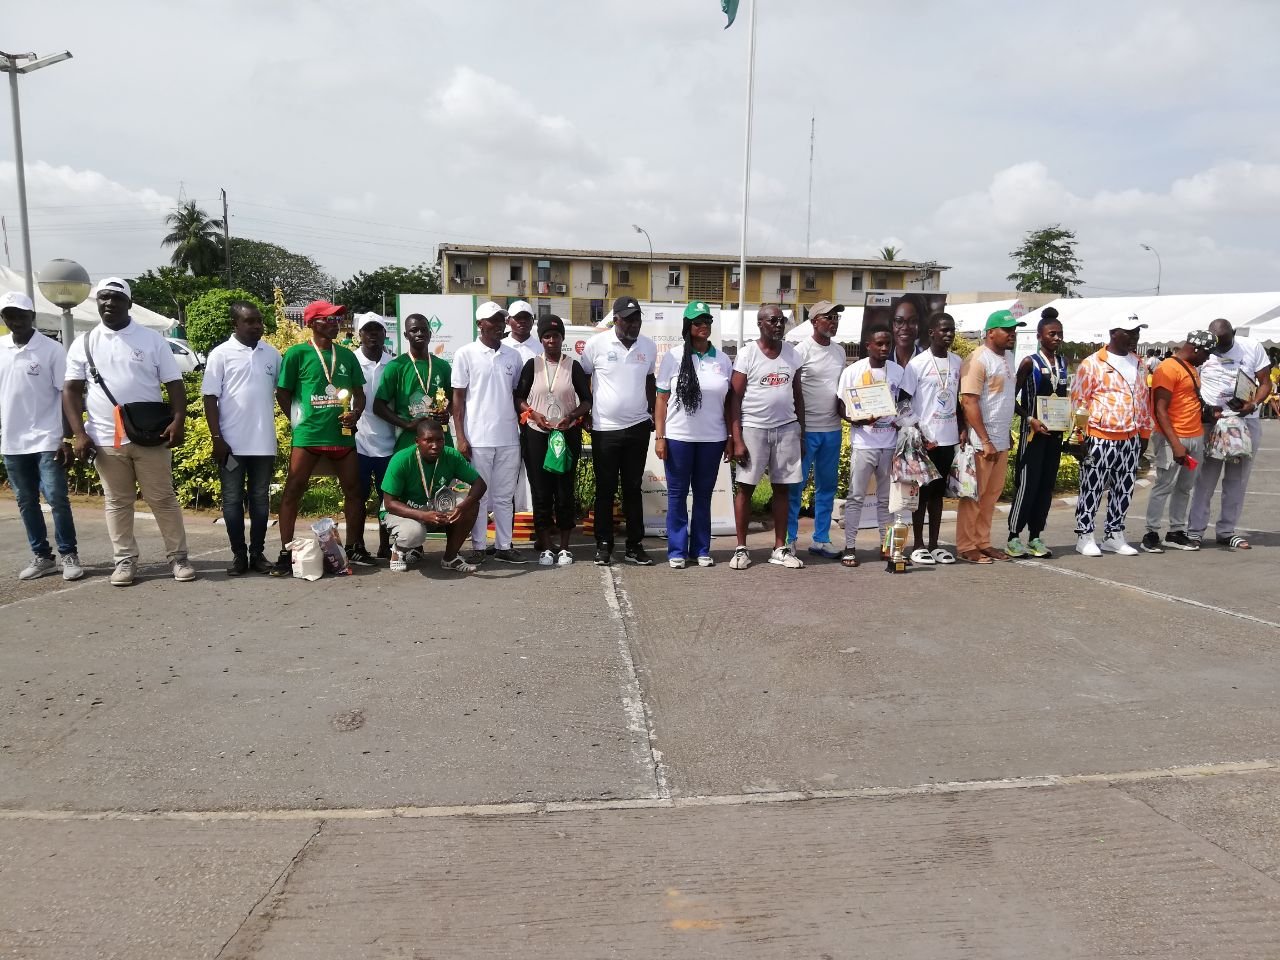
(10, 64)
(65, 284)
(1159, 265)
(639, 229)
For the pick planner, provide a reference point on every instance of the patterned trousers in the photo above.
(1111, 467)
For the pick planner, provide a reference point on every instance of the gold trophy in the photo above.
(344, 395)
(1079, 423)
(895, 539)
(440, 403)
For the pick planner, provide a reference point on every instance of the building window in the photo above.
(597, 273)
(735, 277)
(857, 282)
(673, 276)
(624, 276)
(784, 280)
(544, 271)
(811, 280)
(460, 271)
(597, 311)
(880, 281)
(517, 272)
(544, 308)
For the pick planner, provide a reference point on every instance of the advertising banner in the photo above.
(451, 317)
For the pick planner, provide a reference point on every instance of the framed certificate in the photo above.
(870, 400)
(1054, 413)
(1245, 386)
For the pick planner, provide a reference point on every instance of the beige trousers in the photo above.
(973, 519)
(123, 471)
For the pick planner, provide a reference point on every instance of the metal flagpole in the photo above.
(746, 172)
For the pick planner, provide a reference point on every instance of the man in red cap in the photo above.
(321, 391)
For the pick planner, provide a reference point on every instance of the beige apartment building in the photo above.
(580, 285)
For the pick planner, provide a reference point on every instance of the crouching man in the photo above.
(411, 497)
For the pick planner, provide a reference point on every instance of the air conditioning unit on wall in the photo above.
(562, 288)
(477, 281)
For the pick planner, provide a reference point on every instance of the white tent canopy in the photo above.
(972, 317)
(1168, 319)
(49, 317)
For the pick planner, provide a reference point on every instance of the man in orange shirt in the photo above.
(1178, 443)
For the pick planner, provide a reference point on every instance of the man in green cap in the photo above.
(987, 384)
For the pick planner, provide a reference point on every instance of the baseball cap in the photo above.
(114, 284)
(16, 300)
(624, 307)
(823, 307)
(696, 309)
(1202, 339)
(489, 309)
(520, 306)
(364, 319)
(1130, 323)
(1003, 320)
(320, 308)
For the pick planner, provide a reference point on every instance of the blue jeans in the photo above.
(695, 465)
(31, 474)
(258, 471)
(822, 453)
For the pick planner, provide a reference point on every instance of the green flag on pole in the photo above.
(730, 8)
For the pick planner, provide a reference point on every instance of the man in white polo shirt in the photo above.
(520, 339)
(135, 365)
(621, 364)
(239, 391)
(32, 368)
(485, 374)
(375, 437)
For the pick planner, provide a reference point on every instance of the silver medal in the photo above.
(445, 501)
(330, 391)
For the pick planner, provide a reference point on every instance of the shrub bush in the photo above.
(209, 317)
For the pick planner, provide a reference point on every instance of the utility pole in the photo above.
(226, 237)
(8, 261)
(808, 220)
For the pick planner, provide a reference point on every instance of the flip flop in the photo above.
(995, 554)
(975, 556)
(923, 557)
(943, 556)
(850, 559)
(1235, 543)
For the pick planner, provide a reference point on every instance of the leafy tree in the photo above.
(364, 291)
(196, 239)
(888, 252)
(1047, 262)
(261, 267)
(209, 317)
(168, 290)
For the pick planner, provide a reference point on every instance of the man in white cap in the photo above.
(120, 362)
(32, 369)
(375, 437)
(822, 361)
(521, 339)
(239, 389)
(485, 373)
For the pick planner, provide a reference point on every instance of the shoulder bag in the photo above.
(145, 421)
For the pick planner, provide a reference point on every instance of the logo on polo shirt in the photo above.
(776, 379)
(138, 356)
(270, 370)
(33, 368)
(612, 357)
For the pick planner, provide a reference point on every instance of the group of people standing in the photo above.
(445, 445)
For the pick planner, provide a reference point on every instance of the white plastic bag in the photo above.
(962, 482)
(1230, 440)
(904, 497)
(308, 558)
(335, 559)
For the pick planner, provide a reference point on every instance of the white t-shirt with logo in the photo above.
(989, 376)
(489, 377)
(934, 385)
(819, 373)
(767, 402)
(878, 434)
(706, 424)
(244, 381)
(31, 376)
(375, 437)
(618, 377)
(1218, 373)
(134, 362)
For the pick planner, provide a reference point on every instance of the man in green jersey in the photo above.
(321, 391)
(418, 497)
(415, 386)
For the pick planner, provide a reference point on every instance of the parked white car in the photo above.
(188, 360)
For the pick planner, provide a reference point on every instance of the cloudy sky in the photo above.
(364, 134)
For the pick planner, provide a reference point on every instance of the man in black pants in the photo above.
(621, 365)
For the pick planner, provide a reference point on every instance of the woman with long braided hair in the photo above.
(691, 433)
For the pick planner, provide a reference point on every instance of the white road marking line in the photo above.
(639, 723)
(652, 803)
(1150, 593)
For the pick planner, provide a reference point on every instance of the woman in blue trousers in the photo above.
(693, 384)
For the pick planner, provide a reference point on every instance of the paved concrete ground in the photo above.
(972, 761)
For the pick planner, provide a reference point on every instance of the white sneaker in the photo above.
(546, 559)
(1086, 546)
(785, 556)
(71, 569)
(37, 568)
(398, 562)
(1116, 544)
(564, 558)
(676, 563)
(123, 574)
(706, 562)
(827, 550)
(741, 559)
(183, 571)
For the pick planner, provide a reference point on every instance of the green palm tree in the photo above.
(887, 253)
(196, 239)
